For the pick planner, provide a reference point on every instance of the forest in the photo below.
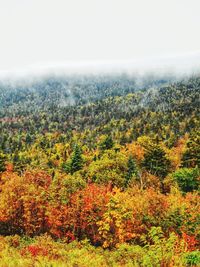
(100, 170)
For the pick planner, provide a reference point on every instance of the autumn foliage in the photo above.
(106, 216)
(111, 181)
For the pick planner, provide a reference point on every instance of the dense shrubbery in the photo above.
(70, 209)
(44, 251)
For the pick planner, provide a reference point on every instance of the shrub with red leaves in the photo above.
(34, 250)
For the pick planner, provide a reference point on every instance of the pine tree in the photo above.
(19, 163)
(187, 179)
(28, 139)
(2, 162)
(76, 160)
(156, 162)
(132, 171)
(123, 140)
(107, 143)
(191, 157)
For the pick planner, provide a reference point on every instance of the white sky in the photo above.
(48, 32)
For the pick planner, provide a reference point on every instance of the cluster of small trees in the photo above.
(141, 162)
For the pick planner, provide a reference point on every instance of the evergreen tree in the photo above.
(28, 139)
(76, 160)
(107, 143)
(2, 162)
(20, 163)
(191, 157)
(156, 162)
(132, 171)
(187, 179)
(123, 140)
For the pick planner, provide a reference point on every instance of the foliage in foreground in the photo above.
(44, 251)
(66, 222)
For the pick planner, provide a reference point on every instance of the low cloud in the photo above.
(177, 65)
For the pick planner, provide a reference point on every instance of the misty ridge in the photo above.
(64, 100)
(85, 87)
(76, 102)
(63, 91)
(81, 83)
(83, 98)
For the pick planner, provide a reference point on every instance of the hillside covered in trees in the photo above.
(100, 171)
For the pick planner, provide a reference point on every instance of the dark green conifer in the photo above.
(132, 171)
(76, 161)
(2, 162)
(191, 157)
(156, 162)
(107, 143)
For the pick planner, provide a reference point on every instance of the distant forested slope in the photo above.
(106, 104)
